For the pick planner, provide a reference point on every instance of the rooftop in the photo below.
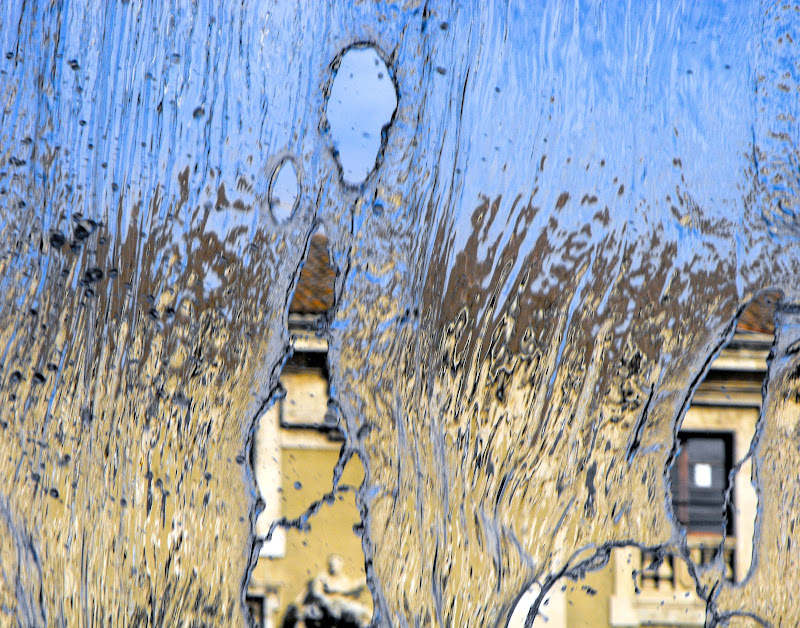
(314, 294)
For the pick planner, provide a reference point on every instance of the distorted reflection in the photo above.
(543, 222)
(330, 600)
(295, 456)
(284, 190)
(712, 498)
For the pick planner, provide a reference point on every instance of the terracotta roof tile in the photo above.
(758, 315)
(314, 293)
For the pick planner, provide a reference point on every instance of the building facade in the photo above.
(321, 570)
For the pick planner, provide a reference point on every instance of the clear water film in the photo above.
(544, 221)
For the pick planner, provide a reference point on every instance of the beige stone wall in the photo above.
(331, 530)
(294, 467)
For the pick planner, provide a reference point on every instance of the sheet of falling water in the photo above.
(567, 209)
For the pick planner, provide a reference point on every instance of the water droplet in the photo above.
(57, 239)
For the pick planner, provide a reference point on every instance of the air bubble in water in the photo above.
(361, 103)
(283, 191)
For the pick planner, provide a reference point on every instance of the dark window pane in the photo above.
(699, 478)
(255, 606)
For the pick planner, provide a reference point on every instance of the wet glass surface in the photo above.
(535, 263)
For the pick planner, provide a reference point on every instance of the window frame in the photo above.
(728, 437)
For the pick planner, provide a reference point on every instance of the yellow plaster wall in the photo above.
(588, 599)
(331, 528)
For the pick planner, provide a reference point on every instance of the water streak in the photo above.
(571, 206)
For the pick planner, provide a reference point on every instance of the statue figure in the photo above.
(330, 599)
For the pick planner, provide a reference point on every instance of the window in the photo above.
(699, 478)
(255, 606)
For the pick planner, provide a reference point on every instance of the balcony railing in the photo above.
(669, 573)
